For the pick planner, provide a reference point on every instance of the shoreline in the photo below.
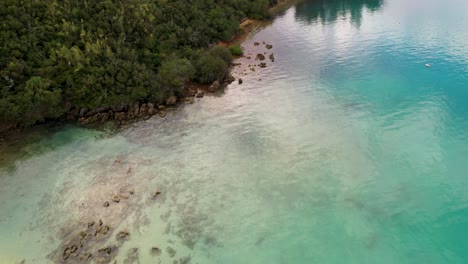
(133, 112)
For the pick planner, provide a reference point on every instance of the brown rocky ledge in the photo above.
(120, 114)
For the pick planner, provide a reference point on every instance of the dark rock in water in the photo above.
(214, 86)
(106, 204)
(132, 256)
(171, 252)
(90, 224)
(256, 43)
(155, 194)
(100, 223)
(69, 251)
(262, 65)
(84, 235)
(106, 250)
(131, 191)
(269, 46)
(260, 57)
(272, 57)
(240, 81)
(101, 230)
(172, 100)
(122, 235)
(116, 199)
(185, 260)
(200, 94)
(85, 257)
(155, 251)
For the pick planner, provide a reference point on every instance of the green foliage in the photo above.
(210, 68)
(104, 53)
(236, 50)
(222, 53)
(173, 74)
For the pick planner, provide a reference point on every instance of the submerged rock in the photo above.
(69, 251)
(171, 251)
(132, 256)
(116, 199)
(262, 65)
(240, 81)
(155, 251)
(155, 194)
(269, 46)
(122, 235)
(260, 57)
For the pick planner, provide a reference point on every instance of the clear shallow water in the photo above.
(348, 150)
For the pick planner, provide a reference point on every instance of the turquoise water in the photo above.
(346, 149)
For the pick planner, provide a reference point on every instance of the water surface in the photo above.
(345, 149)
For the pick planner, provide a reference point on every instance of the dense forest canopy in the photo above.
(57, 55)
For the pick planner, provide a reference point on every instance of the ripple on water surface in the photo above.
(345, 149)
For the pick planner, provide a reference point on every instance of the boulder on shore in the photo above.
(229, 78)
(143, 109)
(83, 111)
(172, 100)
(151, 110)
(200, 94)
(214, 86)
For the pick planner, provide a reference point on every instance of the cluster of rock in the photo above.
(120, 113)
(85, 116)
(79, 248)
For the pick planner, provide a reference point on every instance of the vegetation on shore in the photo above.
(61, 55)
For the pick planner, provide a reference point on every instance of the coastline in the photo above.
(124, 114)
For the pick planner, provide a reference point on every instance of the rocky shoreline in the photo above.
(123, 113)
